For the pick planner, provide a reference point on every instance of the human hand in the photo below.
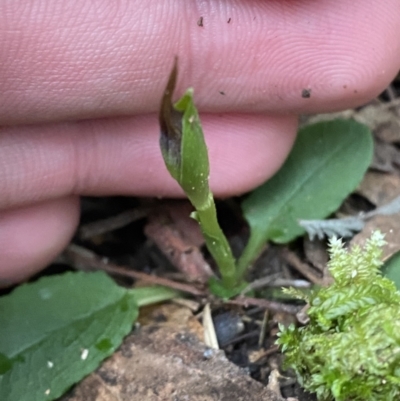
(82, 82)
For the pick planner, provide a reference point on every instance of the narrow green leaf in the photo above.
(326, 164)
(57, 330)
(182, 143)
(195, 168)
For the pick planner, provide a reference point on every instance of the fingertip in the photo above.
(246, 150)
(32, 236)
(85, 159)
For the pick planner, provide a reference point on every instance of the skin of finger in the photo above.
(71, 60)
(32, 236)
(122, 157)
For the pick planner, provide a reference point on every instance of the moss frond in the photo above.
(350, 350)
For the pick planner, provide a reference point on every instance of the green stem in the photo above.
(217, 243)
(253, 248)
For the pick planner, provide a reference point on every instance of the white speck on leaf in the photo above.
(84, 354)
(45, 293)
(50, 364)
(47, 392)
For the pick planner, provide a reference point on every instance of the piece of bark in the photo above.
(159, 363)
(179, 237)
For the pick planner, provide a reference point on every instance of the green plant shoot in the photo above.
(186, 158)
(350, 349)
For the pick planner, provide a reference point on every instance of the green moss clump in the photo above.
(350, 349)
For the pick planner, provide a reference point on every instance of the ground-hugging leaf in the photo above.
(391, 269)
(326, 164)
(57, 330)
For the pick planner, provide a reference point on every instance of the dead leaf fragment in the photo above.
(210, 337)
(179, 237)
(380, 188)
(388, 225)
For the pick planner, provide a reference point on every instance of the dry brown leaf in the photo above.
(382, 118)
(379, 188)
(388, 225)
(179, 237)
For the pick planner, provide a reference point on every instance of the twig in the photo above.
(260, 283)
(262, 354)
(112, 223)
(83, 259)
(391, 93)
(302, 267)
(245, 336)
(275, 281)
(263, 331)
(265, 304)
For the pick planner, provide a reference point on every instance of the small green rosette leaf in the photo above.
(326, 164)
(57, 330)
(391, 269)
(194, 163)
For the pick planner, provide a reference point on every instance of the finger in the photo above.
(32, 236)
(122, 156)
(70, 60)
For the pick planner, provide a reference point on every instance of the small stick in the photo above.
(264, 303)
(112, 223)
(263, 331)
(83, 259)
(302, 268)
